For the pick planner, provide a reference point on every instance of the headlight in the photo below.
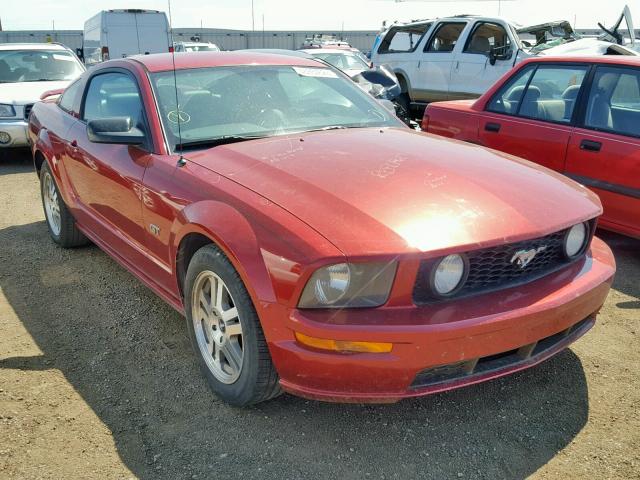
(7, 111)
(349, 285)
(575, 240)
(448, 275)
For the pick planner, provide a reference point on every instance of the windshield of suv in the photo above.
(38, 66)
(260, 101)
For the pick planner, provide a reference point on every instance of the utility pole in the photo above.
(253, 18)
(263, 30)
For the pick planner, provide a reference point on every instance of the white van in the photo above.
(122, 33)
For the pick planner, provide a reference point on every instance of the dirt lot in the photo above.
(97, 380)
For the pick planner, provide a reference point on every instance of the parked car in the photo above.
(195, 47)
(579, 116)
(314, 242)
(27, 71)
(123, 33)
(350, 61)
(461, 57)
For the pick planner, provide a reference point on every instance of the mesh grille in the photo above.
(498, 267)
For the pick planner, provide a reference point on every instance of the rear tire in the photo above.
(225, 331)
(61, 224)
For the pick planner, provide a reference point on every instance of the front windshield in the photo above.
(37, 66)
(260, 101)
(343, 61)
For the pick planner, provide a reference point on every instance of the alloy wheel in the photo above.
(217, 326)
(51, 205)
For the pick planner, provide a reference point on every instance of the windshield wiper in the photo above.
(214, 142)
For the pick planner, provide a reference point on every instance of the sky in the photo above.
(309, 14)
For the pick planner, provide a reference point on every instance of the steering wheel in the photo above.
(271, 117)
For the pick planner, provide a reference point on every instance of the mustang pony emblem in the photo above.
(522, 258)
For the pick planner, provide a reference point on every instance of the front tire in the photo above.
(62, 225)
(225, 331)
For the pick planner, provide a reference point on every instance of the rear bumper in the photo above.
(482, 340)
(17, 130)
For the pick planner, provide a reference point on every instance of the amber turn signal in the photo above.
(343, 345)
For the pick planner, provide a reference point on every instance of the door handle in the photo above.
(590, 145)
(492, 127)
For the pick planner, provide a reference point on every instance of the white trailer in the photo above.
(122, 33)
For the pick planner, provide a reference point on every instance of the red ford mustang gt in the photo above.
(313, 242)
(579, 116)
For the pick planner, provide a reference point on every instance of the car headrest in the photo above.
(571, 92)
(532, 95)
(515, 94)
(607, 82)
(480, 45)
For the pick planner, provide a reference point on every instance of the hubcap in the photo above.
(217, 327)
(51, 205)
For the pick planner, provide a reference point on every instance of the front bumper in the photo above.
(17, 129)
(469, 340)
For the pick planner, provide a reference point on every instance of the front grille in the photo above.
(526, 354)
(495, 268)
(27, 111)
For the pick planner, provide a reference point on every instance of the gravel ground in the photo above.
(97, 381)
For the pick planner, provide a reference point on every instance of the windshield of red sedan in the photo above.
(260, 101)
(37, 66)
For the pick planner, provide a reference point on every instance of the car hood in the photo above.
(22, 93)
(395, 191)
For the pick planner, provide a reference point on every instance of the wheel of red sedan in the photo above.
(62, 225)
(217, 326)
(225, 331)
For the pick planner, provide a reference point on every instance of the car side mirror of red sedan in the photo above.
(118, 130)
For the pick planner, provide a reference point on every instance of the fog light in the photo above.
(4, 138)
(575, 240)
(343, 345)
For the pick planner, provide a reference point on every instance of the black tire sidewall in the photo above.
(243, 390)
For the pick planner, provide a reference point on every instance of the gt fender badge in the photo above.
(522, 258)
(154, 229)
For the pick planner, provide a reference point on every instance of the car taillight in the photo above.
(425, 122)
(105, 54)
(171, 50)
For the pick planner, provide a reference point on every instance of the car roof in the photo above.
(160, 62)
(630, 60)
(32, 46)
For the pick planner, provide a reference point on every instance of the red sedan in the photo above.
(579, 116)
(314, 243)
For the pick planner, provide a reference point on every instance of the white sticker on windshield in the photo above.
(315, 72)
(68, 58)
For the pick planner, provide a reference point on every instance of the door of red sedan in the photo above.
(604, 151)
(107, 178)
(531, 116)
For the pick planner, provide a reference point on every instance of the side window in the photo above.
(614, 101)
(552, 93)
(445, 37)
(403, 39)
(487, 38)
(67, 100)
(508, 98)
(113, 95)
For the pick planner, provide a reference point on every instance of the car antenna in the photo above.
(181, 161)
